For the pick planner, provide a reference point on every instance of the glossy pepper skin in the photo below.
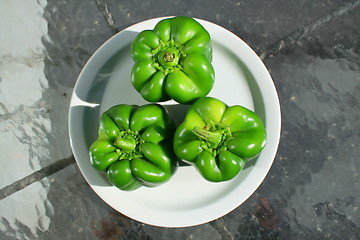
(134, 146)
(218, 139)
(173, 61)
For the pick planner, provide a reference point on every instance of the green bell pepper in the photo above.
(218, 140)
(173, 61)
(134, 146)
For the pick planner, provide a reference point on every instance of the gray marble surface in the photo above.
(312, 51)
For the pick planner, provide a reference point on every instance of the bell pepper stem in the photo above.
(168, 56)
(126, 144)
(214, 138)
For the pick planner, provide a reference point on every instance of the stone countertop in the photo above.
(312, 51)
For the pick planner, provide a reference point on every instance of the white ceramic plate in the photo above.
(187, 199)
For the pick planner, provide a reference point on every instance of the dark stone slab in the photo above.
(258, 23)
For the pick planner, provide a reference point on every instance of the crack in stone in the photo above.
(36, 176)
(220, 226)
(103, 8)
(306, 30)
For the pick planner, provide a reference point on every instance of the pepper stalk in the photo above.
(127, 143)
(214, 135)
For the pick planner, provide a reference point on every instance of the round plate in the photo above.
(187, 199)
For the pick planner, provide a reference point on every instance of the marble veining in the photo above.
(25, 122)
